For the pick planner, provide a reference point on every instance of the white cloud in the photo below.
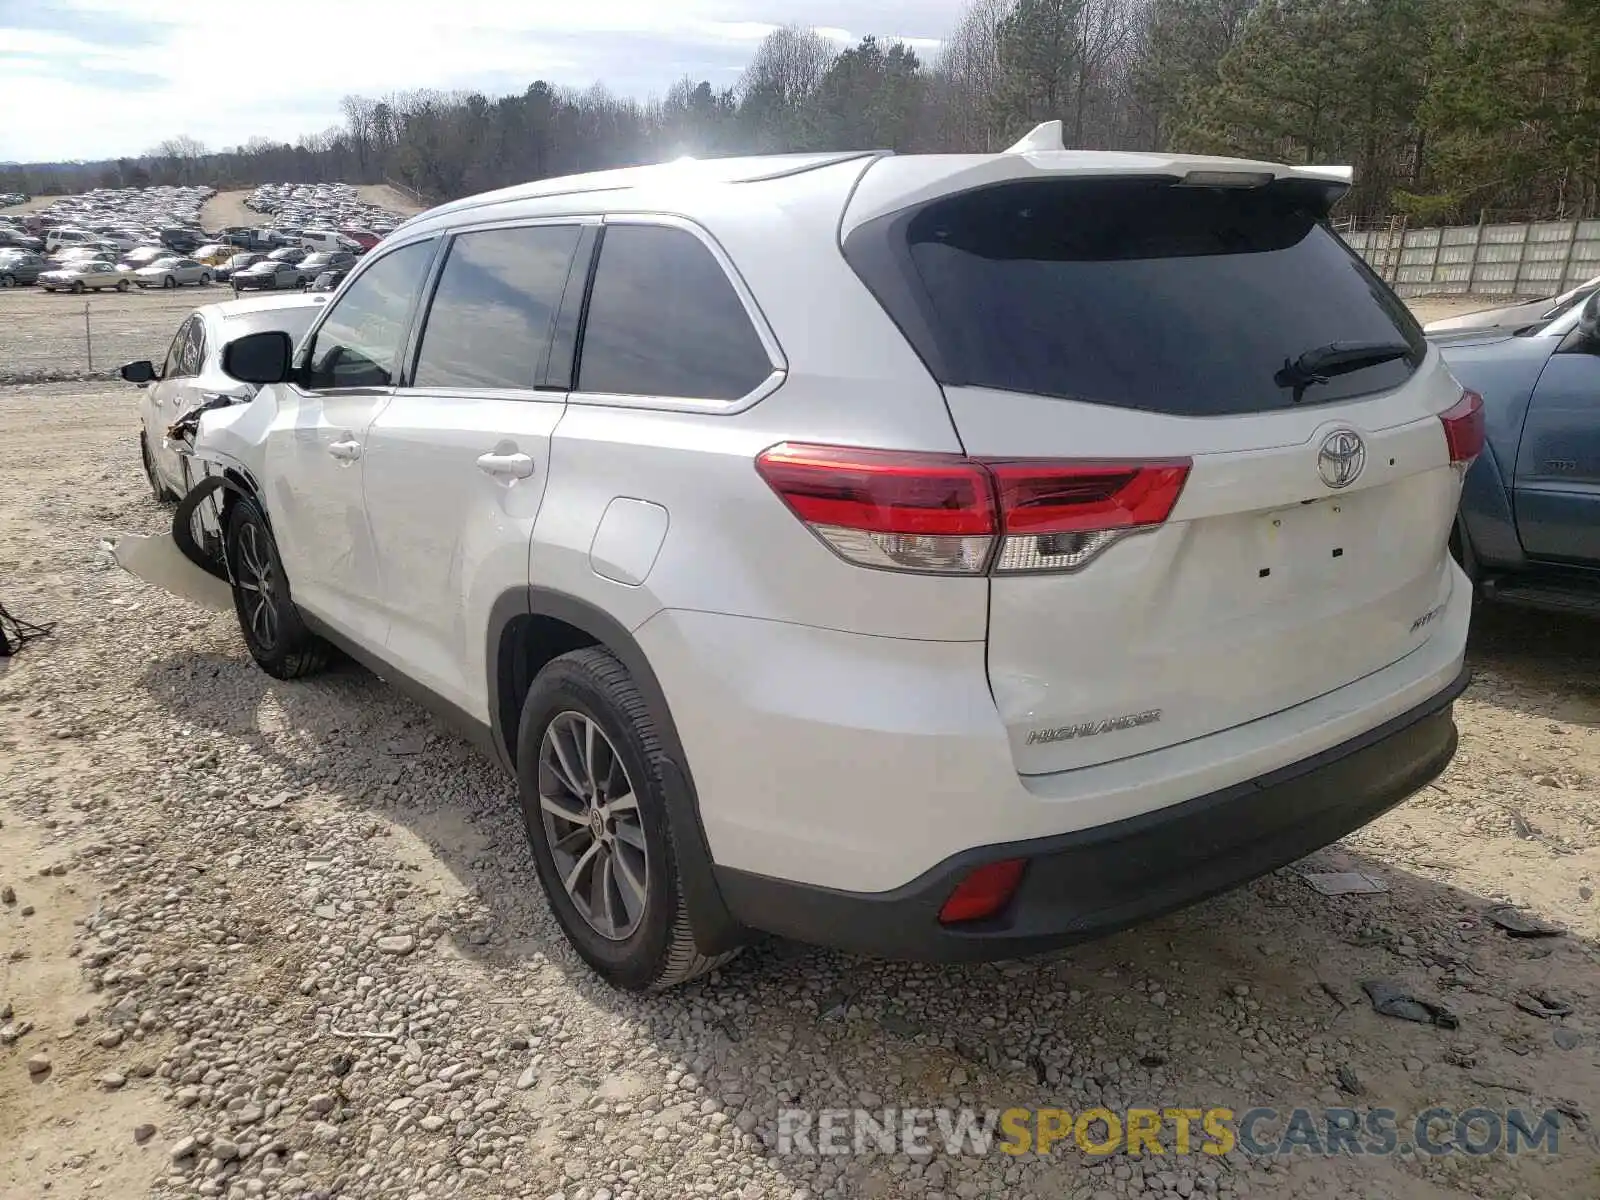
(90, 89)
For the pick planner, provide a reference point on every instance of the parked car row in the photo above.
(322, 206)
(8, 199)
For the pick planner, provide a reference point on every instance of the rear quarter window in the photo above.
(1134, 293)
(665, 320)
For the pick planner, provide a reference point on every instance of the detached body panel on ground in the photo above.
(888, 625)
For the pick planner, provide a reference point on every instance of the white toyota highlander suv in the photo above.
(936, 556)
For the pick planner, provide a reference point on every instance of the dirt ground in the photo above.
(288, 935)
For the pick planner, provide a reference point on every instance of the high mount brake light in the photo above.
(1464, 428)
(953, 515)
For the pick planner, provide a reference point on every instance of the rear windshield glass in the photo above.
(1142, 294)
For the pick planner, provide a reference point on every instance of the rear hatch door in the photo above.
(1147, 324)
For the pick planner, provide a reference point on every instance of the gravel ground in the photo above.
(284, 940)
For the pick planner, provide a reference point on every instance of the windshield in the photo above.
(1138, 293)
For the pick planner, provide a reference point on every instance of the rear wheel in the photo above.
(122, 285)
(594, 805)
(273, 630)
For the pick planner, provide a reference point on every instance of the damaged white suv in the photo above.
(935, 556)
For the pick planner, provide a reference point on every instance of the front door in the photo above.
(456, 463)
(346, 371)
(171, 395)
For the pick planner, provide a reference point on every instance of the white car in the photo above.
(86, 274)
(931, 556)
(173, 271)
(190, 376)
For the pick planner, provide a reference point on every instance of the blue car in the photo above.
(1528, 532)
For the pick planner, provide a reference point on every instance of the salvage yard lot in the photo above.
(290, 935)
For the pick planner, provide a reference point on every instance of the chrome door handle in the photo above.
(506, 466)
(346, 451)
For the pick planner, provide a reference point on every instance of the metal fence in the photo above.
(1538, 258)
(45, 337)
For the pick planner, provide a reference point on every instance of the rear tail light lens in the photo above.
(1060, 516)
(984, 892)
(948, 514)
(878, 508)
(1463, 428)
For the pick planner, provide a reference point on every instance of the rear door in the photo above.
(456, 464)
(1230, 490)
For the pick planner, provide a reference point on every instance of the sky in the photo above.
(91, 79)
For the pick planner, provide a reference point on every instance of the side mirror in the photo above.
(141, 372)
(259, 358)
(1589, 320)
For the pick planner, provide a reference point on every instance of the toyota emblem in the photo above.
(1341, 458)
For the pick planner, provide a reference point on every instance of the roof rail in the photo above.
(1045, 136)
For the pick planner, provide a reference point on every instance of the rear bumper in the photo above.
(1091, 882)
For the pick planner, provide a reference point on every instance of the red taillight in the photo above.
(984, 892)
(945, 512)
(1058, 516)
(1463, 427)
(880, 508)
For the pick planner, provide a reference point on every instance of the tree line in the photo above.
(1449, 110)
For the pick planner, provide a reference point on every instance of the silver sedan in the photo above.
(171, 272)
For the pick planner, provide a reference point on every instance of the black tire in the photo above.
(276, 636)
(122, 285)
(169, 282)
(660, 952)
(77, 287)
(8, 281)
(162, 493)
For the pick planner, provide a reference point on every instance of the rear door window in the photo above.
(490, 322)
(1137, 293)
(665, 320)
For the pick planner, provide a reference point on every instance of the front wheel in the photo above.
(169, 282)
(8, 281)
(589, 765)
(274, 632)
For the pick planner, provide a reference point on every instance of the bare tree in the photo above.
(967, 78)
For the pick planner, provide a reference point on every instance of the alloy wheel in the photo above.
(256, 578)
(592, 825)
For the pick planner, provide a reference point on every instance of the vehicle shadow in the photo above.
(1251, 999)
(1540, 664)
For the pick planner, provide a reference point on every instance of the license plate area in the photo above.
(1317, 540)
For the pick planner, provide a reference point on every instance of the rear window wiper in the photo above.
(1322, 363)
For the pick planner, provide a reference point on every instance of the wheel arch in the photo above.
(530, 626)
